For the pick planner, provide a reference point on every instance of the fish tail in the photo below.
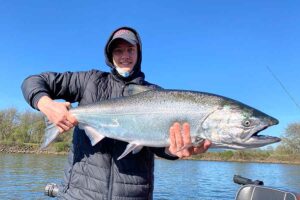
(51, 132)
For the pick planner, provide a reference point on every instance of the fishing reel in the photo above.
(255, 190)
(245, 181)
(51, 190)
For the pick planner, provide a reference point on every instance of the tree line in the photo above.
(21, 127)
(17, 128)
(28, 127)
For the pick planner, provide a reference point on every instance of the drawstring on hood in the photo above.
(132, 37)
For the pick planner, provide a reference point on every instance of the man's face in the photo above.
(124, 55)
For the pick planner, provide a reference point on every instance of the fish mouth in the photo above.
(257, 132)
(273, 121)
(259, 140)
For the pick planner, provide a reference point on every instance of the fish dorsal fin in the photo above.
(134, 147)
(94, 135)
(133, 89)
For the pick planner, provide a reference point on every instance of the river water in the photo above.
(24, 176)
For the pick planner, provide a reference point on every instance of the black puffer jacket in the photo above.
(93, 172)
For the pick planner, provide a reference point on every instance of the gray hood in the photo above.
(108, 56)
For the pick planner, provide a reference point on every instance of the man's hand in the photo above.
(57, 113)
(180, 137)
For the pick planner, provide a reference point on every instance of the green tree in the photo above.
(21, 128)
(291, 139)
(9, 119)
(31, 127)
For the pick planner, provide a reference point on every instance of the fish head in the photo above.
(237, 126)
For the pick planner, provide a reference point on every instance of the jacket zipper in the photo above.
(67, 186)
(111, 177)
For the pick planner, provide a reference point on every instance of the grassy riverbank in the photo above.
(262, 156)
(32, 148)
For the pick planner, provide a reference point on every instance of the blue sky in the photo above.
(217, 46)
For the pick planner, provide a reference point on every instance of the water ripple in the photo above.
(24, 176)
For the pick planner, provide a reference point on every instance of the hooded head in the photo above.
(130, 36)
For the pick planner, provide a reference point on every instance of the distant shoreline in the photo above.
(249, 156)
(209, 156)
(249, 161)
(28, 149)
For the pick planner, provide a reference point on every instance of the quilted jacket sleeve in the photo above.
(68, 86)
(160, 152)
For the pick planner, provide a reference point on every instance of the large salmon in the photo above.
(144, 119)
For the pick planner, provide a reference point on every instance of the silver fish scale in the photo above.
(146, 117)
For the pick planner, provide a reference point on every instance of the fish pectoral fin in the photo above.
(131, 147)
(94, 135)
(137, 149)
(198, 142)
(51, 132)
(185, 147)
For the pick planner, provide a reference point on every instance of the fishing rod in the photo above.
(283, 87)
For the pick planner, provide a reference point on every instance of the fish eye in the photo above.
(247, 123)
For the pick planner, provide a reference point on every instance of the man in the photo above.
(94, 171)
